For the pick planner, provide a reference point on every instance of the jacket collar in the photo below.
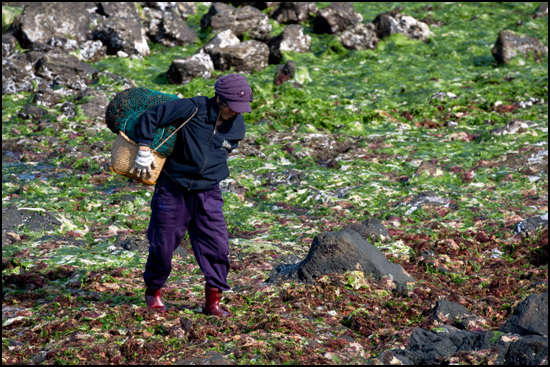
(214, 111)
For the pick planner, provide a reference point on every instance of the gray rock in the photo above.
(9, 43)
(427, 347)
(371, 230)
(294, 12)
(284, 72)
(95, 107)
(51, 22)
(132, 242)
(182, 71)
(337, 252)
(13, 218)
(527, 350)
(427, 199)
(246, 57)
(18, 75)
(173, 31)
(336, 18)
(394, 22)
(508, 45)
(530, 317)
(530, 225)
(429, 169)
(245, 19)
(292, 38)
(122, 34)
(360, 37)
(516, 126)
(454, 314)
(118, 9)
(30, 111)
(222, 39)
(211, 358)
(542, 10)
(66, 70)
(47, 98)
(441, 96)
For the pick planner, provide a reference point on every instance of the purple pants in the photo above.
(176, 210)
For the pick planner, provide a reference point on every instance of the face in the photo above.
(226, 113)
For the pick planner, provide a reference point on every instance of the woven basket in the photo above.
(123, 157)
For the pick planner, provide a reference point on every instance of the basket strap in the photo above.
(175, 131)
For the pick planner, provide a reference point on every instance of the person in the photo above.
(187, 195)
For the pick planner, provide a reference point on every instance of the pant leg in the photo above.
(209, 238)
(169, 220)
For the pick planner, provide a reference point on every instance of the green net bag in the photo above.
(125, 109)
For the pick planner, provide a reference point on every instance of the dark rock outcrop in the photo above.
(337, 252)
(530, 317)
(523, 340)
(34, 220)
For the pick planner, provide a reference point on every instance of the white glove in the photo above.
(144, 161)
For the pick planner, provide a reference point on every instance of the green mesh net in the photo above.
(125, 109)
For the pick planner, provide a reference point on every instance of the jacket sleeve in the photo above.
(162, 115)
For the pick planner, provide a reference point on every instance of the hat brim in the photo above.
(239, 107)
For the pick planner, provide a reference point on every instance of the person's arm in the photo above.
(155, 117)
(159, 116)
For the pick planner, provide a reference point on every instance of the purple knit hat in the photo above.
(235, 91)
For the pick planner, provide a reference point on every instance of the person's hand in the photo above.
(144, 161)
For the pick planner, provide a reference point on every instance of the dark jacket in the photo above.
(199, 158)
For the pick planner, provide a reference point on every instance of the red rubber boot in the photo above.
(152, 297)
(212, 304)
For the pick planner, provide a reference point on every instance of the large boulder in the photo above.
(509, 45)
(338, 252)
(392, 22)
(54, 26)
(292, 38)
(245, 19)
(530, 317)
(294, 12)
(336, 18)
(182, 71)
(246, 57)
(48, 22)
(523, 340)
